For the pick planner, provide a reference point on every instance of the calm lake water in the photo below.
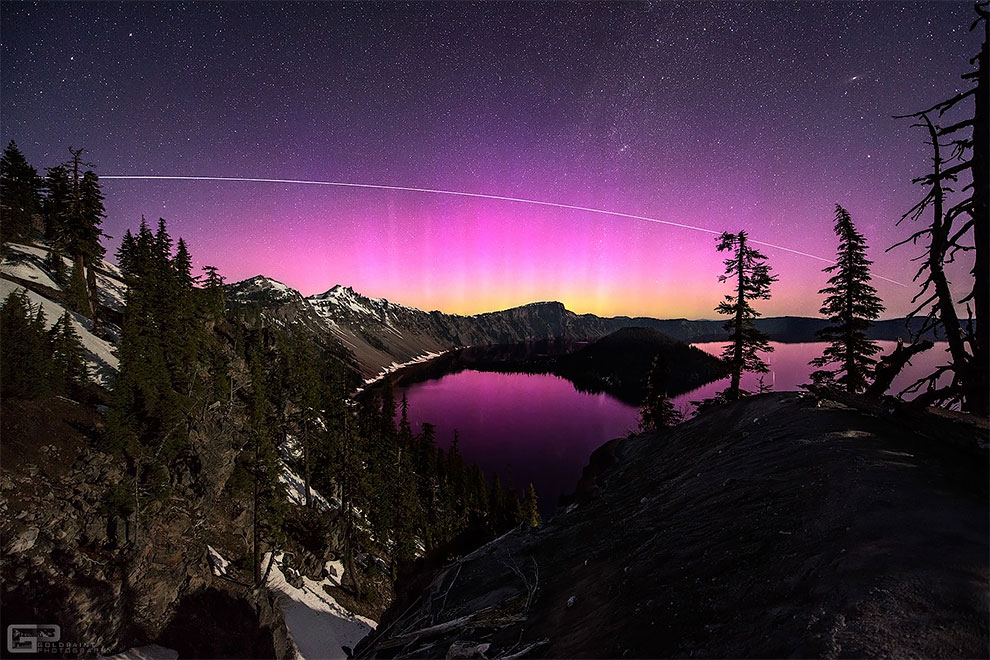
(537, 428)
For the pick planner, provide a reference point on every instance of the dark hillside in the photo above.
(619, 363)
(778, 526)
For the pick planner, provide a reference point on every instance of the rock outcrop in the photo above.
(72, 556)
(783, 525)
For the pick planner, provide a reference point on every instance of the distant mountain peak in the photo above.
(261, 288)
(346, 296)
(335, 291)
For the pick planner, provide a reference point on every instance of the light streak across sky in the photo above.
(458, 193)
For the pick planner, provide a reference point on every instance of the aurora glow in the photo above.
(683, 113)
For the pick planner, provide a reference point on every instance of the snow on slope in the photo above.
(263, 289)
(318, 625)
(113, 292)
(342, 302)
(395, 366)
(27, 262)
(100, 357)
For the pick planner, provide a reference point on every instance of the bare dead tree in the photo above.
(960, 228)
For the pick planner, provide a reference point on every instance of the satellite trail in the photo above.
(459, 193)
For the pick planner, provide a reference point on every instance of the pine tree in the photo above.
(91, 215)
(269, 494)
(752, 282)
(76, 215)
(658, 411)
(215, 299)
(513, 508)
(182, 265)
(69, 370)
(530, 508)
(125, 253)
(25, 353)
(850, 304)
(20, 199)
(478, 493)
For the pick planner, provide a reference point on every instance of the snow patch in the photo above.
(218, 565)
(112, 290)
(27, 262)
(319, 626)
(395, 366)
(346, 297)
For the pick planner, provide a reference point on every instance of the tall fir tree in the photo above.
(20, 196)
(215, 299)
(851, 303)
(25, 352)
(69, 371)
(752, 280)
(268, 493)
(91, 216)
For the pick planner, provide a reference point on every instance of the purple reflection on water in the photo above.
(527, 427)
(537, 428)
(789, 369)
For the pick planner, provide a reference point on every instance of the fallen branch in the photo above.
(891, 365)
(532, 647)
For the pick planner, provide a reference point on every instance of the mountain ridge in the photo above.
(381, 335)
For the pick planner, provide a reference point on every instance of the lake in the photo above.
(538, 428)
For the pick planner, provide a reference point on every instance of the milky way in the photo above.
(719, 117)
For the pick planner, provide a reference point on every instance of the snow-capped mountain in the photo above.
(382, 335)
(262, 290)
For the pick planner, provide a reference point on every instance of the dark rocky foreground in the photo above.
(782, 525)
(68, 556)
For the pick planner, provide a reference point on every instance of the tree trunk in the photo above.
(305, 441)
(256, 540)
(850, 358)
(737, 359)
(936, 258)
(268, 569)
(94, 298)
(980, 390)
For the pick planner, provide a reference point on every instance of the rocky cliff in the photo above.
(73, 557)
(783, 525)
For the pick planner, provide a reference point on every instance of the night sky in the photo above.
(758, 116)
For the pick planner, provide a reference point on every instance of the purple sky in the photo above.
(757, 116)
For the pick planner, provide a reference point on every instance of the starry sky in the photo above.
(724, 116)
